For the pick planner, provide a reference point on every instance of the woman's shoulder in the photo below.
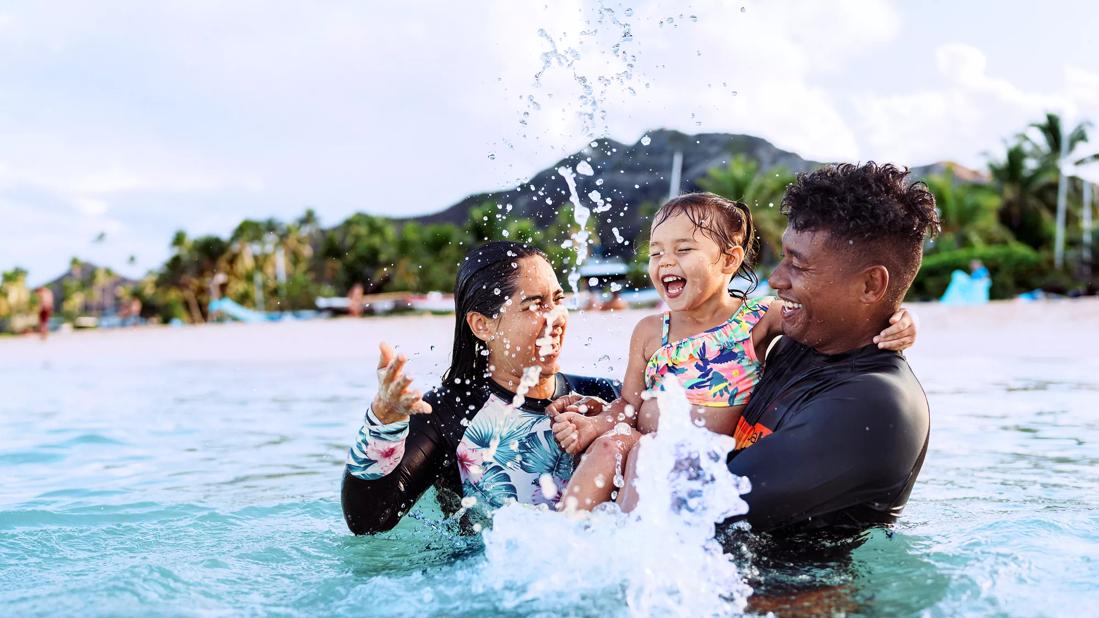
(453, 396)
(604, 388)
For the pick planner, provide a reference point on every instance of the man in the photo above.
(836, 432)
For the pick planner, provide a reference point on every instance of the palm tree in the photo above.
(969, 213)
(741, 180)
(1029, 191)
(1046, 145)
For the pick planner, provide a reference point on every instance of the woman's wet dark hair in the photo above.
(487, 277)
(727, 223)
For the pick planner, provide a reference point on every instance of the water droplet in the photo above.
(492, 156)
(646, 140)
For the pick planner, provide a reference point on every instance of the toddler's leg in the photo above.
(627, 496)
(593, 480)
(648, 417)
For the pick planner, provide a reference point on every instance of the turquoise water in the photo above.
(141, 482)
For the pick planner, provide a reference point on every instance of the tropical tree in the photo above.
(363, 250)
(742, 181)
(15, 298)
(969, 213)
(1044, 140)
(1028, 189)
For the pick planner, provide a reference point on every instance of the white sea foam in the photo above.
(663, 555)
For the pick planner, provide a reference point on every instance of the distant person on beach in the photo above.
(355, 300)
(481, 437)
(978, 270)
(615, 303)
(45, 310)
(837, 429)
(712, 341)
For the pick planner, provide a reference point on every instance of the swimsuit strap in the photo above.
(665, 328)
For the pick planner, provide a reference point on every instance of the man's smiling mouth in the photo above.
(790, 308)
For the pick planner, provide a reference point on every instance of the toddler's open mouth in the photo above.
(673, 285)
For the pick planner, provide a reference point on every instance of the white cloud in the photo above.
(966, 114)
(196, 114)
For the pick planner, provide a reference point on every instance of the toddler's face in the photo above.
(686, 266)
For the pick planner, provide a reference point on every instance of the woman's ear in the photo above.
(732, 259)
(481, 326)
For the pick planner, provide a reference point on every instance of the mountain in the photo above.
(632, 175)
(100, 287)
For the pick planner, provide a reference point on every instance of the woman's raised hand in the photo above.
(396, 400)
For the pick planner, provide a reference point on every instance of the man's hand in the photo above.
(579, 404)
(396, 400)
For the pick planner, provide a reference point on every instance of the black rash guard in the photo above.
(831, 441)
(474, 445)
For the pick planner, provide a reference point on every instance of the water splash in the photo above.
(578, 239)
(662, 556)
(529, 379)
(605, 67)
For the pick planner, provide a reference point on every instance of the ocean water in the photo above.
(196, 471)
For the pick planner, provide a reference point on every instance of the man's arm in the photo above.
(857, 444)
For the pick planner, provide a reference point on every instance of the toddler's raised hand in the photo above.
(901, 334)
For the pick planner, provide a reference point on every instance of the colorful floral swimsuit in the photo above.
(474, 444)
(718, 367)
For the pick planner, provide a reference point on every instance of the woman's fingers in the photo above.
(401, 385)
(409, 397)
(394, 370)
(386, 355)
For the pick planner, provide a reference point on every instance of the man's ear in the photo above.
(482, 326)
(732, 259)
(875, 284)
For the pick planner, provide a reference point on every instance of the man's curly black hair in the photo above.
(870, 210)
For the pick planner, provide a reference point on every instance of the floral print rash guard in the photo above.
(475, 443)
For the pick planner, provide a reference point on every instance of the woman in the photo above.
(483, 433)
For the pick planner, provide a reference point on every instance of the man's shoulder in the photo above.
(883, 385)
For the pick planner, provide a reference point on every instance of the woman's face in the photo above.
(530, 327)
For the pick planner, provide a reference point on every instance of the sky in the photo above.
(127, 121)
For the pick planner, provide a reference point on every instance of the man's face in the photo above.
(820, 290)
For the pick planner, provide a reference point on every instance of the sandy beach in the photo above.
(1055, 328)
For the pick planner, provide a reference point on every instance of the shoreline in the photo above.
(1064, 326)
